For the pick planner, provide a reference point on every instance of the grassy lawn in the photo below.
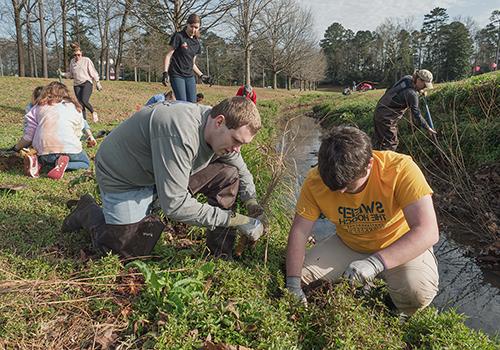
(55, 294)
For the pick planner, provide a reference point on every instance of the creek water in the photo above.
(461, 284)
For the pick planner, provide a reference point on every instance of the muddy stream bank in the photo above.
(462, 284)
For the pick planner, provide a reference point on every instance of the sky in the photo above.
(368, 14)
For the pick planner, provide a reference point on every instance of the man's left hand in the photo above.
(255, 210)
(98, 86)
(206, 79)
(365, 270)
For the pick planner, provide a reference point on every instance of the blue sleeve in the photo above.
(85, 125)
(155, 99)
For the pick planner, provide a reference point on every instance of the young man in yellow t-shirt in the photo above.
(382, 207)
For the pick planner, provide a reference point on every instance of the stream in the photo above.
(461, 286)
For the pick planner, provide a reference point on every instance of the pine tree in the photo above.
(432, 29)
(457, 51)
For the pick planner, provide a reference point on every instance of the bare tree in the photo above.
(168, 16)
(43, 41)
(28, 8)
(102, 13)
(287, 28)
(245, 23)
(18, 6)
(64, 24)
(127, 7)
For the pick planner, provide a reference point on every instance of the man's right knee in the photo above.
(129, 240)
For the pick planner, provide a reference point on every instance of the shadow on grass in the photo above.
(30, 234)
(12, 109)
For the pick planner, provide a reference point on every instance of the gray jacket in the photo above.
(163, 145)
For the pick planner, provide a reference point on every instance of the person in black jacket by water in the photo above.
(391, 107)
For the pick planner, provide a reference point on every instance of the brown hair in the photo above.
(35, 95)
(57, 92)
(344, 156)
(75, 47)
(192, 19)
(238, 111)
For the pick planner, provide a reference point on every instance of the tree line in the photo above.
(259, 42)
(450, 49)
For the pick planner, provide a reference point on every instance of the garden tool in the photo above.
(428, 113)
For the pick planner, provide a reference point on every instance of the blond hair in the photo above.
(238, 111)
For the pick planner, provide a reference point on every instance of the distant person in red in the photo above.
(364, 87)
(248, 92)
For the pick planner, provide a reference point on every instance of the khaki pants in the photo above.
(412, 286)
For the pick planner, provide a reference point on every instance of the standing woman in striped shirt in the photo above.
(83, 72)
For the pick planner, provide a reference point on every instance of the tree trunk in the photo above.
(275, 80)
(106, 36)
(77, 23)
(247, 66)
(177, 15)
(135, 73)
(121, 33)
(43, 39)
(19, 38)
(208, 61)
(64, 37)
(29, 33)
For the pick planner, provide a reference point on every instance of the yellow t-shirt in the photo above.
(373, 218)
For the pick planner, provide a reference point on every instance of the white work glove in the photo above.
(294, 287)
(98, 86)
(247, 226)
(364, 271)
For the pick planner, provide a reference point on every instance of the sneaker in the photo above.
(58, 171)
(95, 117)
(31, 165)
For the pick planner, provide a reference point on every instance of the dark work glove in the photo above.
(255, 210)
(165, 79)
(294, 287)
(206, 79)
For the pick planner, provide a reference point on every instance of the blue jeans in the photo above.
(76, 160)
(127, 207)
(184, 88)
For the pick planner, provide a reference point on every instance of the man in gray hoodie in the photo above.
(172, 151)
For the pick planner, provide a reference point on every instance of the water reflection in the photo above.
(462, 285)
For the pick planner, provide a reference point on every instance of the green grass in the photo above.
(53, 295)
(465, 114)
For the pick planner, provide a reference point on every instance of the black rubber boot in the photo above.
(131, 240)
(128, 240)
(86, 214)
(221, 242)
